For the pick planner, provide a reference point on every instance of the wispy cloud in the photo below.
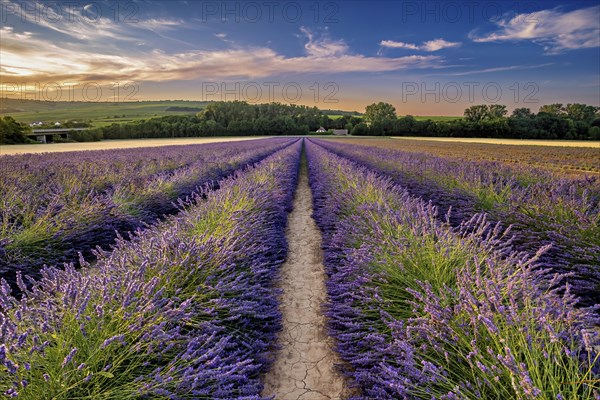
(223, 37)
(323, 46)
(68, 22)
(161, 24)
(72, 22)
(40, 60)
(555, 30)
(499, 69)
(431, 45)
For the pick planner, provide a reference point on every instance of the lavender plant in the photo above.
(421, 309)
(542, 208)
(185, 309)
(53, 206)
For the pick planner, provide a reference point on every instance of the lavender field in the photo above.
(157, 273)
(55, 207)
(300, 200)
(433, 295)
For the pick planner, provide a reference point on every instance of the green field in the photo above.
(100, 114)
(107, 113)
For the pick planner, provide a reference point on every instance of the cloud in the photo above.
(223, 37)
(69, 21)
(40, 60)
(87, 23)
(9, 30)
(555, 30)
(398, 45)
(499, 69)
(324, 46)
(160, 24)
(431, 45)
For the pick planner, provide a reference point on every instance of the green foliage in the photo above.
(489, 121)
(92, 135)
(581, 112)
(554, 121)
(484, 112)
(342, 122)
(496, 111)
(229, 118)
(553, 109)
(476, 113)
(12, 132)
(522, 112)
(360, 129)
(380, 112)
(594, 133)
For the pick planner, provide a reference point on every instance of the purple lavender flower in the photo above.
(69, 357)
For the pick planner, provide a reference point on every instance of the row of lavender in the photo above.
(542, 209)
(186, 309)
(423, 310)
(52, 206)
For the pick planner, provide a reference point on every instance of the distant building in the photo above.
(57, 124)
(37, 123)
(321, 130)
(340, 132)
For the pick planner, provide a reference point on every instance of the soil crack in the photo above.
(306, 357)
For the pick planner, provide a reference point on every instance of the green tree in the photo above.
(553, 109)
(476, 113)
(341, 122)
(496, 111)
(594, 133)
(552, 126)
(522, 112)
(360, 129)
(379, 112)
(483, 112)
(581, 112)
(12, 132)
(405, 125)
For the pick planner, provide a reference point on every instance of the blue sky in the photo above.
(425, 57)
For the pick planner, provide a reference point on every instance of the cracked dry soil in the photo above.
(304, 366)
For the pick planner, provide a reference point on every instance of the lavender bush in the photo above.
(421, 309)
(185, 309)
(543, 209)
(53, 206)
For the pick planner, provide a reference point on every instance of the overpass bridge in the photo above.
(48, 135)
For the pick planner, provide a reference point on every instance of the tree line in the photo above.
(553, 121)
(237, 118)
(234, 118)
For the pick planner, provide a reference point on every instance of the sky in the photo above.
(424, 57)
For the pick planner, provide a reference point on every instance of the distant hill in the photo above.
(183, 109)
(107, 113)
(341, 112)
(101, 113)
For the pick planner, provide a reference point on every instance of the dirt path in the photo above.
(304, 366)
